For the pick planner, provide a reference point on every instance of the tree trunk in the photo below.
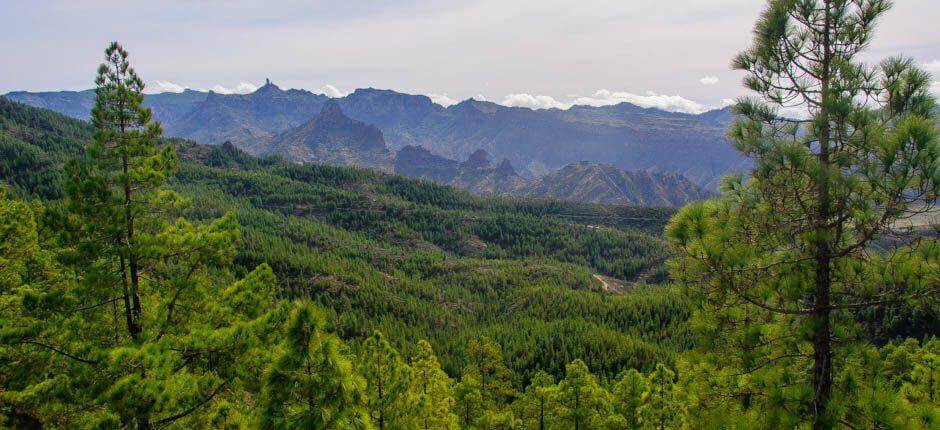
(541, 414)
(128, 316)
(133, 325)
(822, 279)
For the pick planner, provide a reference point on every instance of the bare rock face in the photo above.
(476, 174)
(331, 137)
(417, 162)
(604, 183)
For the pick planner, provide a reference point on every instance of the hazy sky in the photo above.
(540, 53)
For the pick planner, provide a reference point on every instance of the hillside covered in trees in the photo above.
(158, 283)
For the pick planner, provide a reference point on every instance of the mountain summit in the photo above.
(331, 137)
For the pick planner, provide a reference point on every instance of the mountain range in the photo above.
(536, 142)
(331, 137)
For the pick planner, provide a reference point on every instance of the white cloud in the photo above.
(241, 88)
(164, 87)
(331, 91)
(935, 88)
(533, 102)
(932, 67)
(673, 103)
(709, 80)
(442, 99)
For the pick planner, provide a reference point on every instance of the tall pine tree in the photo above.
(388, 381)
(431, 388)
(313, 384)
(138, 327)
(841, 151)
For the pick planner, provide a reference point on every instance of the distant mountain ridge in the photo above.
(583, 182)
(604, 183)
(536, 142)
(331, 137)
(476, 174)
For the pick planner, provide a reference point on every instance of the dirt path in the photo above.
(611, 285)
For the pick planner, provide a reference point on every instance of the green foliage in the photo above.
(786, 263)
(536, 407)
(313, 383)
(432, 390)
(485, 387)
(388, 384)
(661, 408)
(628, 396)
(182, 340)
(582, 403)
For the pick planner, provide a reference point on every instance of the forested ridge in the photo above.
(149, 283)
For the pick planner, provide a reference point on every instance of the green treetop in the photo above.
(841, 150)
(628, 393)
(485, 388)
(582, 403)
(432, 391)
(388, 381)
(536, 406)
(312, 383)
(138, 327)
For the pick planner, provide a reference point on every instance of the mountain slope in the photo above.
(604, 183)
(418, 260)
(538, 141)
(333, 138)
(582, 182)
(535, 141)
(246, 118)
(476, 174)
(168, 108)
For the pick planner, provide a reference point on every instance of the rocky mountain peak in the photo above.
(332, 112)
(479, 159)
(505, 168)
(268, 88)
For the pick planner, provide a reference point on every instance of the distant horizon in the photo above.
(674, 55)
(148, 91)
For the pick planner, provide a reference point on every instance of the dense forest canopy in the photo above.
(149, 282)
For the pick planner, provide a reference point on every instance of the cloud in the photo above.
(241, 88)
(935, 88)
(932, 67)
(331, 91)
(709, 80)
(442, 99)
(164, 87)
(533, 102)
(673, 103)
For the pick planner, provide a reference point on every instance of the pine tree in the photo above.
(312, 383)
(628, 393)
(115, 189)
(431, 388)
(785, 259)
(485, 387)
(660, 409)
(582, 403)
(388, 381)
(138, 324)
(536, 406)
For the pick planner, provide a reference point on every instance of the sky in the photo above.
(671, 54)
